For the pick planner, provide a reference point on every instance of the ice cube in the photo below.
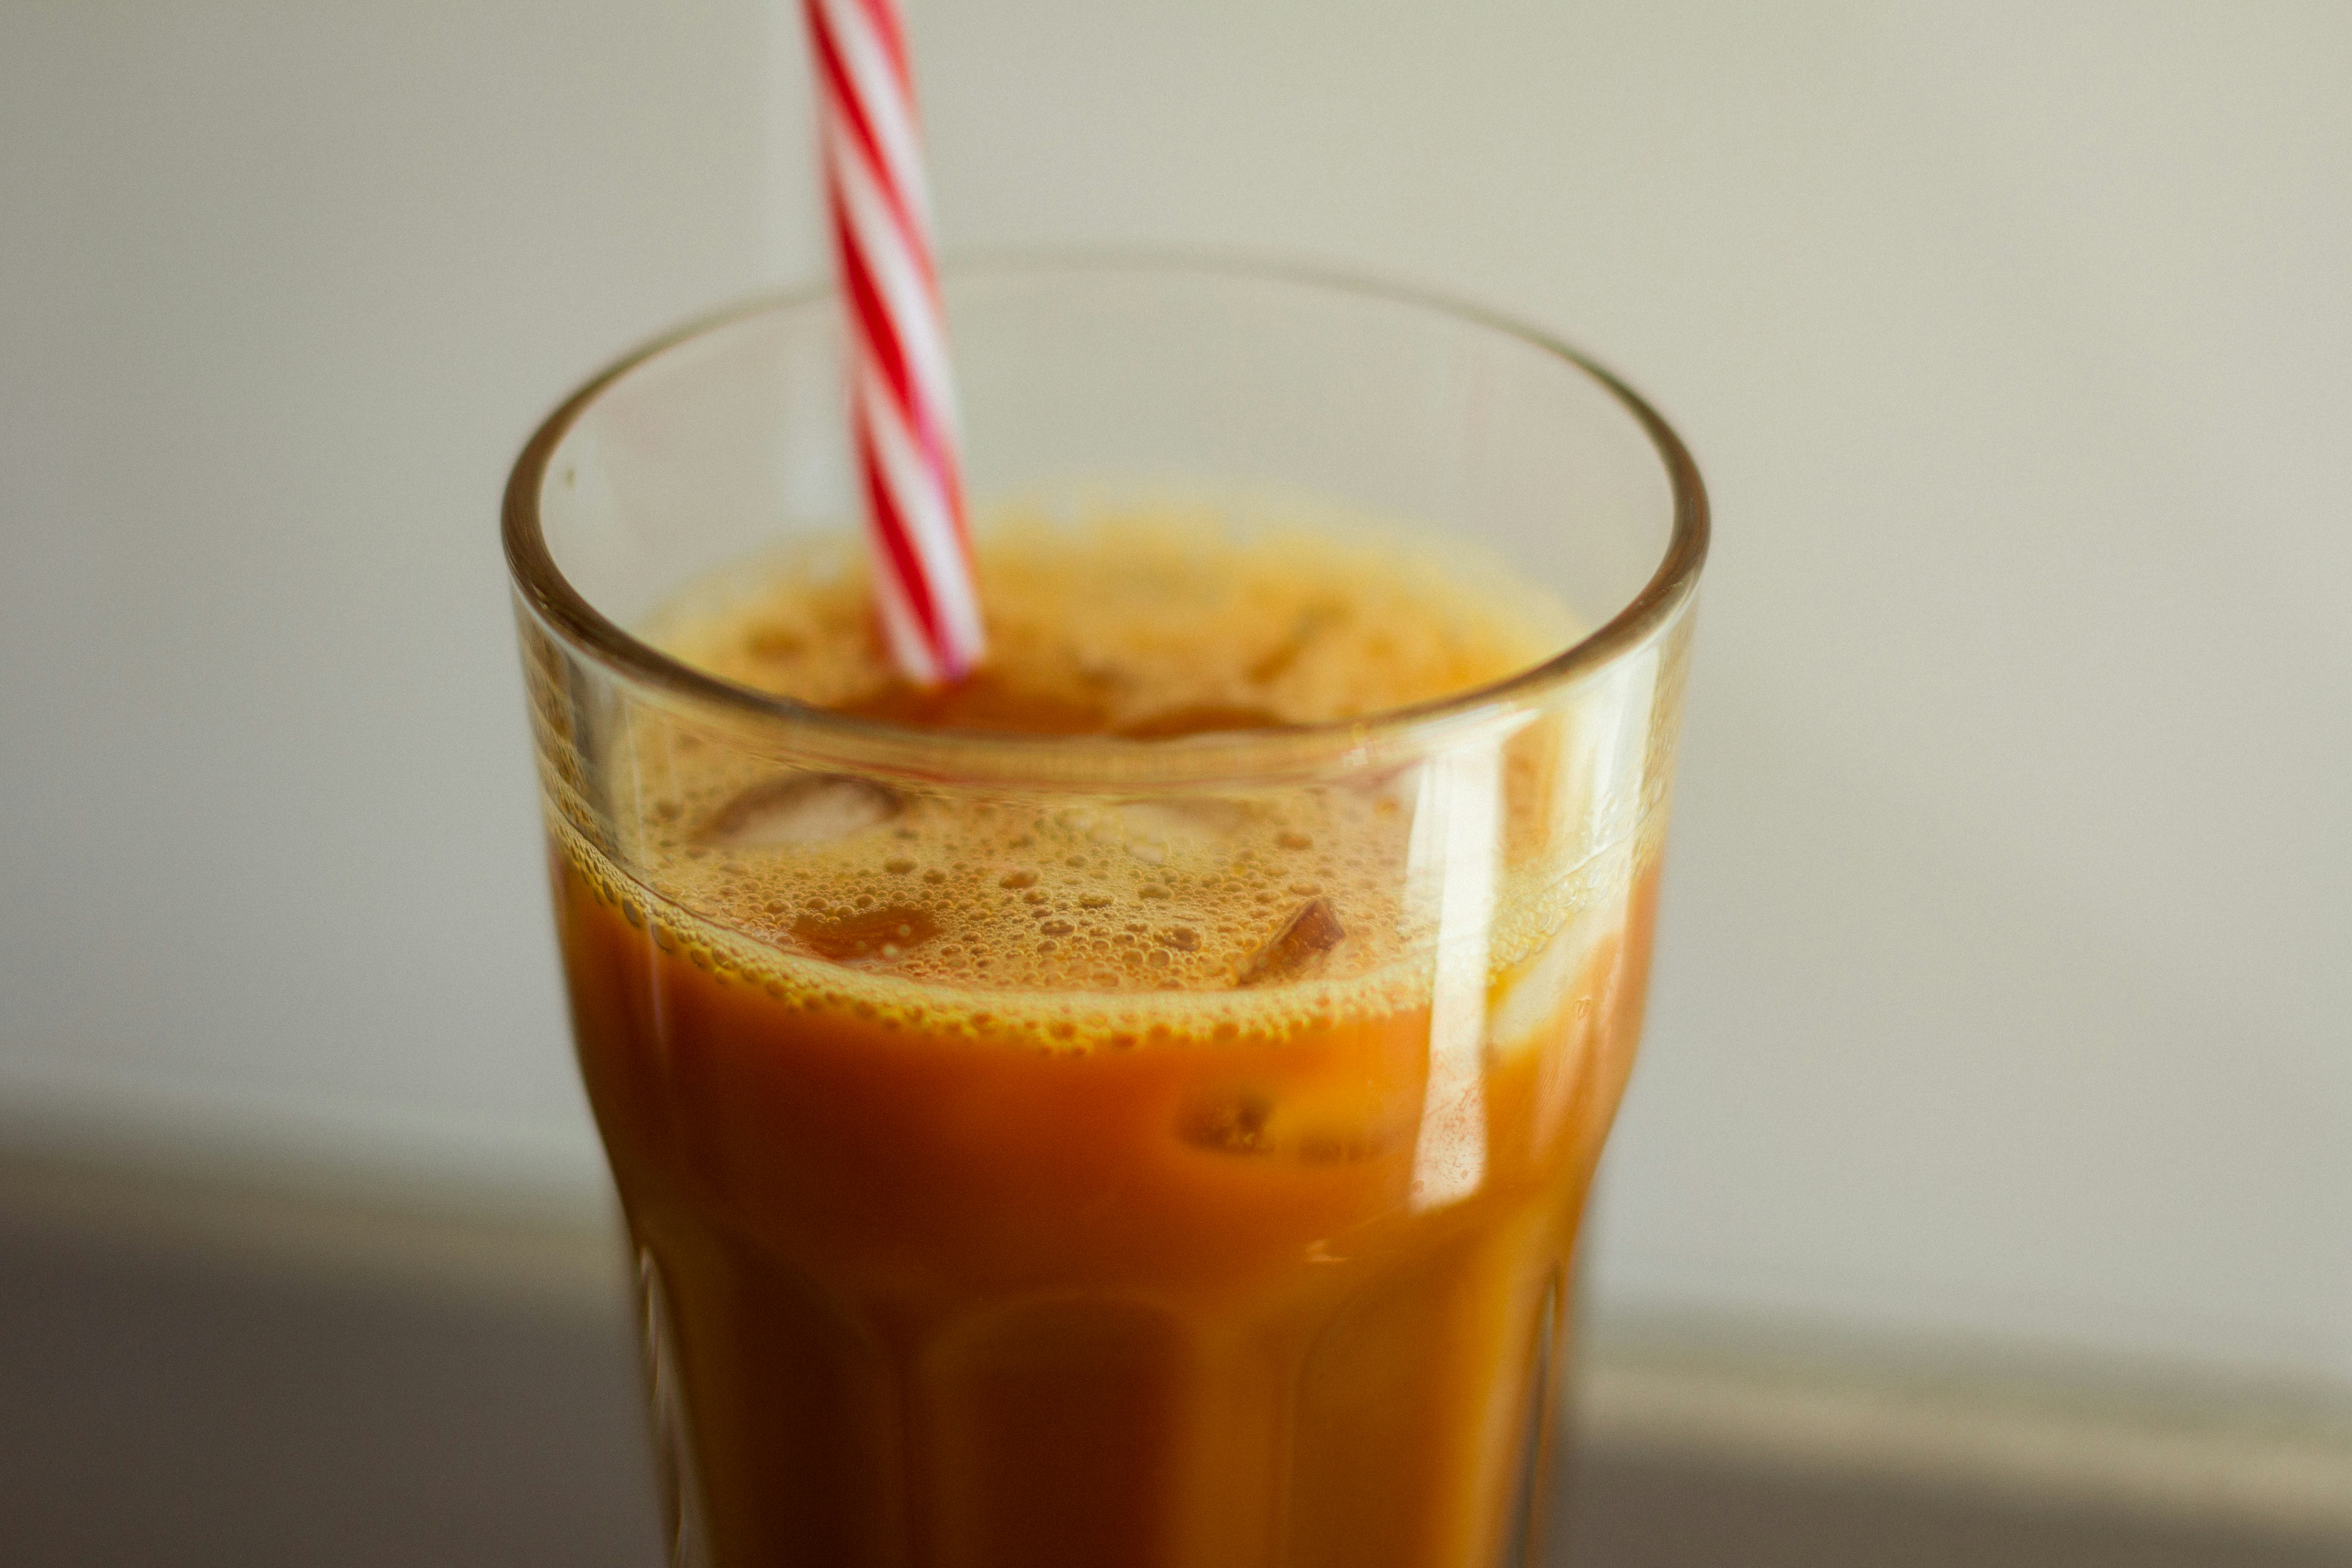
(1296, 951)
(1537, 998)
(1231, 1122)
(798, 809)
(1331, 1119)
(1151, 829)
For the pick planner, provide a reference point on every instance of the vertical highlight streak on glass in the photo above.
(1531, 1513)
(1454, 847)
(681, 1476)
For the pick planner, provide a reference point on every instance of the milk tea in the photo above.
(1022, 1179)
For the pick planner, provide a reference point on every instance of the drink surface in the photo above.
(1094, 1180)
(1142, 630)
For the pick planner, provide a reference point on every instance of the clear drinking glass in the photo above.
(1270, 1272)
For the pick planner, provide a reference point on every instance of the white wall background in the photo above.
(2006, 978)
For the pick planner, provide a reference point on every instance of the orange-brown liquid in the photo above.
(1067, 1255)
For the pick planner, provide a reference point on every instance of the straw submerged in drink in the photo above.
(902, 393)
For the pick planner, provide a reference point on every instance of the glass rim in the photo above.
(1415, 729)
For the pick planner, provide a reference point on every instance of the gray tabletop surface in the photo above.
(166, 1407)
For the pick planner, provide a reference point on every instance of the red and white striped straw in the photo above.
(902, 397)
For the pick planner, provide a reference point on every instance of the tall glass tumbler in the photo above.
(1269, 1269)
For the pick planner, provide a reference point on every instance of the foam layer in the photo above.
(1295, 899)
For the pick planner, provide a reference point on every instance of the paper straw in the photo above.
(902, 397)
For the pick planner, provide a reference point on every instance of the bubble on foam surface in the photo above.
(885, 934)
